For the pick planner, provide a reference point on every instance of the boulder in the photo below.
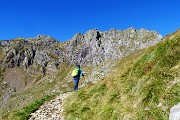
(175, 112)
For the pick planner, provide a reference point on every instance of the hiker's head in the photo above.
(78, 66)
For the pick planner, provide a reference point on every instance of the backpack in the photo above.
(75, 72)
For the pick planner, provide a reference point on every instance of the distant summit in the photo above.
(95, 46)
(40, 37)
(90, 48)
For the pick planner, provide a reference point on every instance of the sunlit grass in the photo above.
(140, 87)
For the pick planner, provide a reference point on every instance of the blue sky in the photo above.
(62, 19)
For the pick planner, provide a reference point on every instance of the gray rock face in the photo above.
(41, 57)
(92, 48)
(14, 56)
(33, 53)
(4, 42)
(175, 112)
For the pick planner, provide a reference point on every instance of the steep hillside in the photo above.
(32, 68)
(142, 87)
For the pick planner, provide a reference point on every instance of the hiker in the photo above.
(77, 73)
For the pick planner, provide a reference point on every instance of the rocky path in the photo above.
(51, 110)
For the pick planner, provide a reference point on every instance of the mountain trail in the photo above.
(51, 110)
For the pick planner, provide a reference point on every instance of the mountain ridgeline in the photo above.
(34, 67)
(89, 49)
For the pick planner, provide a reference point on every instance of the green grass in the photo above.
(24, 113)
(140, 87)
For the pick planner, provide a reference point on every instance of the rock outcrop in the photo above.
(90, 49)
(94, 46)
(175, 112)
(36, 53)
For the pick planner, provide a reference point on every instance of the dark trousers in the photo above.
(76, 82)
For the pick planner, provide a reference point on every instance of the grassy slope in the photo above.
(26, 100)
(24, 114)
(19, 106)
(143, 87)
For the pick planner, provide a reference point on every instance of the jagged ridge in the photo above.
(91, 48)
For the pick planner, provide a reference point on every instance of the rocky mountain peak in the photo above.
(77, 37)
(91, 48)
(4, 42)
(42, 37)
(97, 46)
